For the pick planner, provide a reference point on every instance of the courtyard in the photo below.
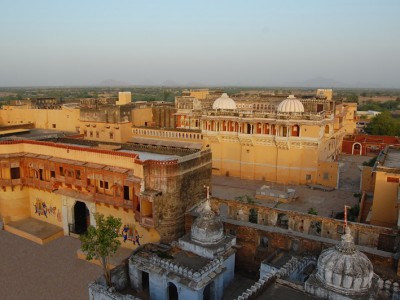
(326, 203)
(51, 271)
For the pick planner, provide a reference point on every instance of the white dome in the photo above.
(344, 269)
(291, 105)
(207, 229)
(224, 102)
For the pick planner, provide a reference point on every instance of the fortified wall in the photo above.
(264, 232)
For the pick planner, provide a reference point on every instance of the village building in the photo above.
(369, 145)
(385, 210)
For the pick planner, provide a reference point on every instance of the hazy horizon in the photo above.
(225, 43)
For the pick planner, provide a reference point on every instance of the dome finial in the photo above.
(207, 206)
(345, 215)
(346, 245)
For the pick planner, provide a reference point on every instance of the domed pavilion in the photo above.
(343, 272)
(290, 105)
(224, 102)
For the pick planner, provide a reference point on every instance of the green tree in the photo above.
(383, 124)
(352, 98)
(312, 211)
(101, 242)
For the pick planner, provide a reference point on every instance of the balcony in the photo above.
(105, 199)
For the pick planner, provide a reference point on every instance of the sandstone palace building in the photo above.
(64, 181)
(285, 140)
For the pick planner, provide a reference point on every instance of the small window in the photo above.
(97, 134)
(308, 177)
(126, 192)
(61, 171)
(264, 242)
(78, 174)
(54, 125)
(106, 185)
(111, 135)
(15, 173)
(101, 183)
(53, 174)
(326, 176)
(91, 134)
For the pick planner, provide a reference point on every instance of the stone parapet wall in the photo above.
(302, 234)
(297, 222)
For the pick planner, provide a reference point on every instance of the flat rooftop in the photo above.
(176, 254)
(392, 159)
(32, 134)
(144, 151)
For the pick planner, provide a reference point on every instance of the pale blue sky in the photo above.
(257, 43)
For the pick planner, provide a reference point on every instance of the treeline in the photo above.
(380, 106)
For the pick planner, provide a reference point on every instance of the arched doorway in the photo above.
(172, 291)
(81, 217)
(356, 149)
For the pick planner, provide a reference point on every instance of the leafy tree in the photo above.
(352, 98)
(253, 215)
(383, 124)
(312, 211)
(371, 162)
(101, 242)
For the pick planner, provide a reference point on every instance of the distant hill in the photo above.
(323, 82)
(112, 82)
(169, 82)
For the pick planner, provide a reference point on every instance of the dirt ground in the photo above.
(327, 203)
(52, 271)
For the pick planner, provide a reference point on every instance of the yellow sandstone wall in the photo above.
(53, 203)
(384, 207)
(141, 116)
(328, 173)
(127, 217)
(64, 119)
(367, 180)
(14, 203)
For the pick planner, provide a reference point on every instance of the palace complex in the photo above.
(280, 139)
